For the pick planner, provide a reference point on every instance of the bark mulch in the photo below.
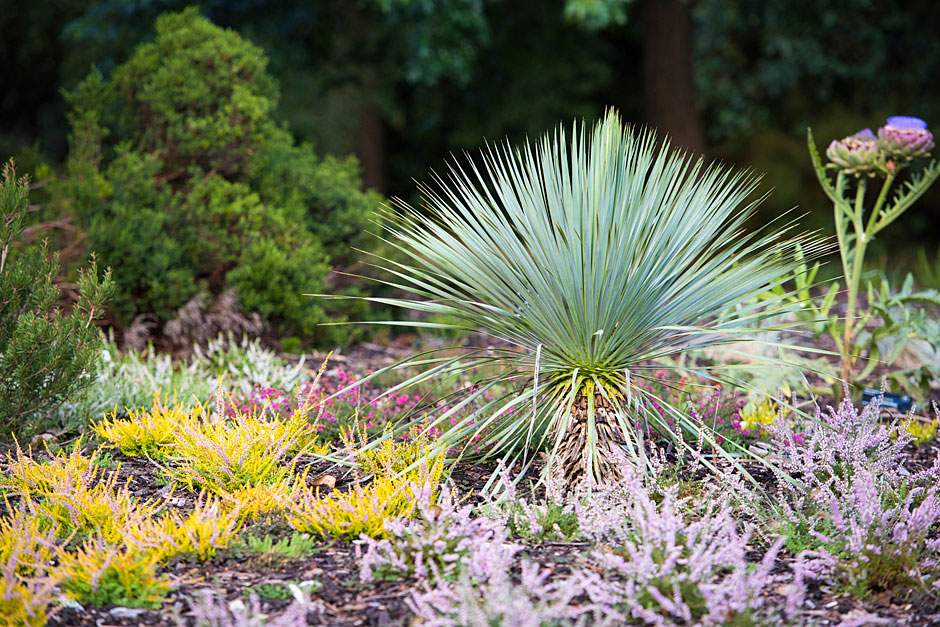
(341, 600)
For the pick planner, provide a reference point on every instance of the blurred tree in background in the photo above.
(403, 83)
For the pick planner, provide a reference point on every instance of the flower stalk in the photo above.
(857, 159)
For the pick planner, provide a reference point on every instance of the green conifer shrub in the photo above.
(45, 356)
(185, 183)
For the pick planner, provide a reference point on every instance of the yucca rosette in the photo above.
(595, 255)
(904, 138)
(856, 154)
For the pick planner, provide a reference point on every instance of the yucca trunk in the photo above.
(573, 460)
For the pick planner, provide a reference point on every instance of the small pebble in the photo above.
(126, 612)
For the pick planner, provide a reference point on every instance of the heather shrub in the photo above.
(245, 365)
(27, 587)
(922, 432)
(200, 534)
(25, 601)
(124, 383)
(27, 477)
(391, 457)
(225, 455)
(148, 432)
(670, 568)
(856, 516)
(873, 546)
(257, 501)
(537, 599)
(553, 519)
(210, 609)
(102, 510)
(757, 418)
(656, 559)
(73, 495)
(364, 508)
(46, 358)
(442, 542)
(722, 409)
(179, 173)
(344, 404)
(98, 574)
(27, 543)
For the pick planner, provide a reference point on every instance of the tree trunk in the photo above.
(370, 148)
(668, 91)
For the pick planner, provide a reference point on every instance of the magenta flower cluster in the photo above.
(333, 403)
(711, 405)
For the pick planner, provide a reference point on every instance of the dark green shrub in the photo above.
(184, 182)
(45, 357)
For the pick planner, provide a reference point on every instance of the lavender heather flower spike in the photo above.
(441, 544)
(209, 609)
(904, 138)
(869, 521)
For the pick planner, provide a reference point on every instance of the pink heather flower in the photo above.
(437, 545)
(856, 500)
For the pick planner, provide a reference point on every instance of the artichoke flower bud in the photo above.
(856, 154)
(904, 138)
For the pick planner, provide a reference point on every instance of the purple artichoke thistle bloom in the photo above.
(856, 154)
(904, 138)
(908, 122)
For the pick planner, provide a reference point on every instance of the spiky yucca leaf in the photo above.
(591, 256)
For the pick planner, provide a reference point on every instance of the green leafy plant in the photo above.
(280, 591)
(270, 550)
(857, 160)
(46, 357)
(927, 270)
(179, 173)
(909, 324)
(590, 256)
(542, 522)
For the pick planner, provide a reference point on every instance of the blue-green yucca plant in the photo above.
(592, 257)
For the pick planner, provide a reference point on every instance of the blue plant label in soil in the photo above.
(901, 402)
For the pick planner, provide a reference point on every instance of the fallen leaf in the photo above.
(328, 481)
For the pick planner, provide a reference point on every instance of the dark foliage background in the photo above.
(402, 84)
